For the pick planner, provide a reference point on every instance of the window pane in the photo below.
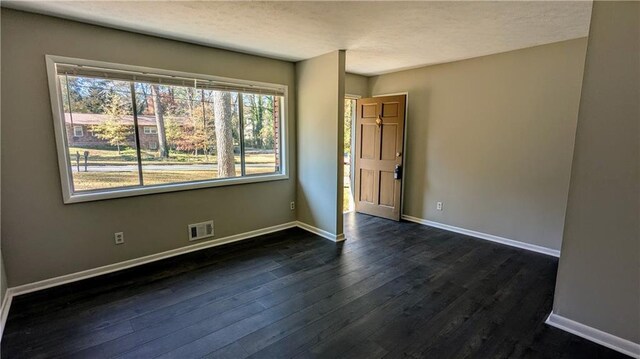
(99, 129)
(261, 133)
(188, 130)
(178, 133)
(226, 137)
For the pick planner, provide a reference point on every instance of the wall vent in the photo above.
(200, 230)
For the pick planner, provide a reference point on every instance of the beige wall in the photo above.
(356, 85)
(42, 237)
(320, 86)
(599, 272)
(492, 138)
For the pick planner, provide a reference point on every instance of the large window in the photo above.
(126, 130)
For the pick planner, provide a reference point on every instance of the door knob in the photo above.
(379, 121)
(398, 154)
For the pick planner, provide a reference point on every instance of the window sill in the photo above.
(174, 187)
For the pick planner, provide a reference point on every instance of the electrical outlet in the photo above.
(119, 237)
(292, 205)
(439, 206)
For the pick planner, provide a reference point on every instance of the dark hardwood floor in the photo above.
(391, 290)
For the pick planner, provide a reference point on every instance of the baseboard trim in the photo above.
(73, 277)
(595, 335)
(321, 232)
(486, 236)
(4, 310)
(94, 272)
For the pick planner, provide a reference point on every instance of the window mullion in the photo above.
(241, 121)
(136, 131)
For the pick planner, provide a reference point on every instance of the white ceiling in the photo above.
(379, 36)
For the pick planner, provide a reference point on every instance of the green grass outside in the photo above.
(128, 155)
(346, 197)
(83, 181)
(346, 200)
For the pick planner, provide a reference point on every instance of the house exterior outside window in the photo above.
(149, 130)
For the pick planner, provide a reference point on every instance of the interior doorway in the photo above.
(348, 204)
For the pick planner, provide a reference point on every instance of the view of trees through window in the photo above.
(348, 203)
(183, 133)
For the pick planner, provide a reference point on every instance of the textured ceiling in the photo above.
(379, 36)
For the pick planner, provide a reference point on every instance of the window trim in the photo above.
(64, 161)
(151, 130)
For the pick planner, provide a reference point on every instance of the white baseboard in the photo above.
(321, 232)
(4, 310)
(595, 335)
(94, 272)
(489, 237)
(73, 277)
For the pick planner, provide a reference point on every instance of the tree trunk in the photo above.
(258, 128)
(224, 133)
(144, 104)
(162, 133)
(190, 100)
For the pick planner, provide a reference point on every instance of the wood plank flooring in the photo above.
(391, 290)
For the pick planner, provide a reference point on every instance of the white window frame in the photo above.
(150, 130)
(75, 133)
(64, 161)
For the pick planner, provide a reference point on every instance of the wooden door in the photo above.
(379, 145)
